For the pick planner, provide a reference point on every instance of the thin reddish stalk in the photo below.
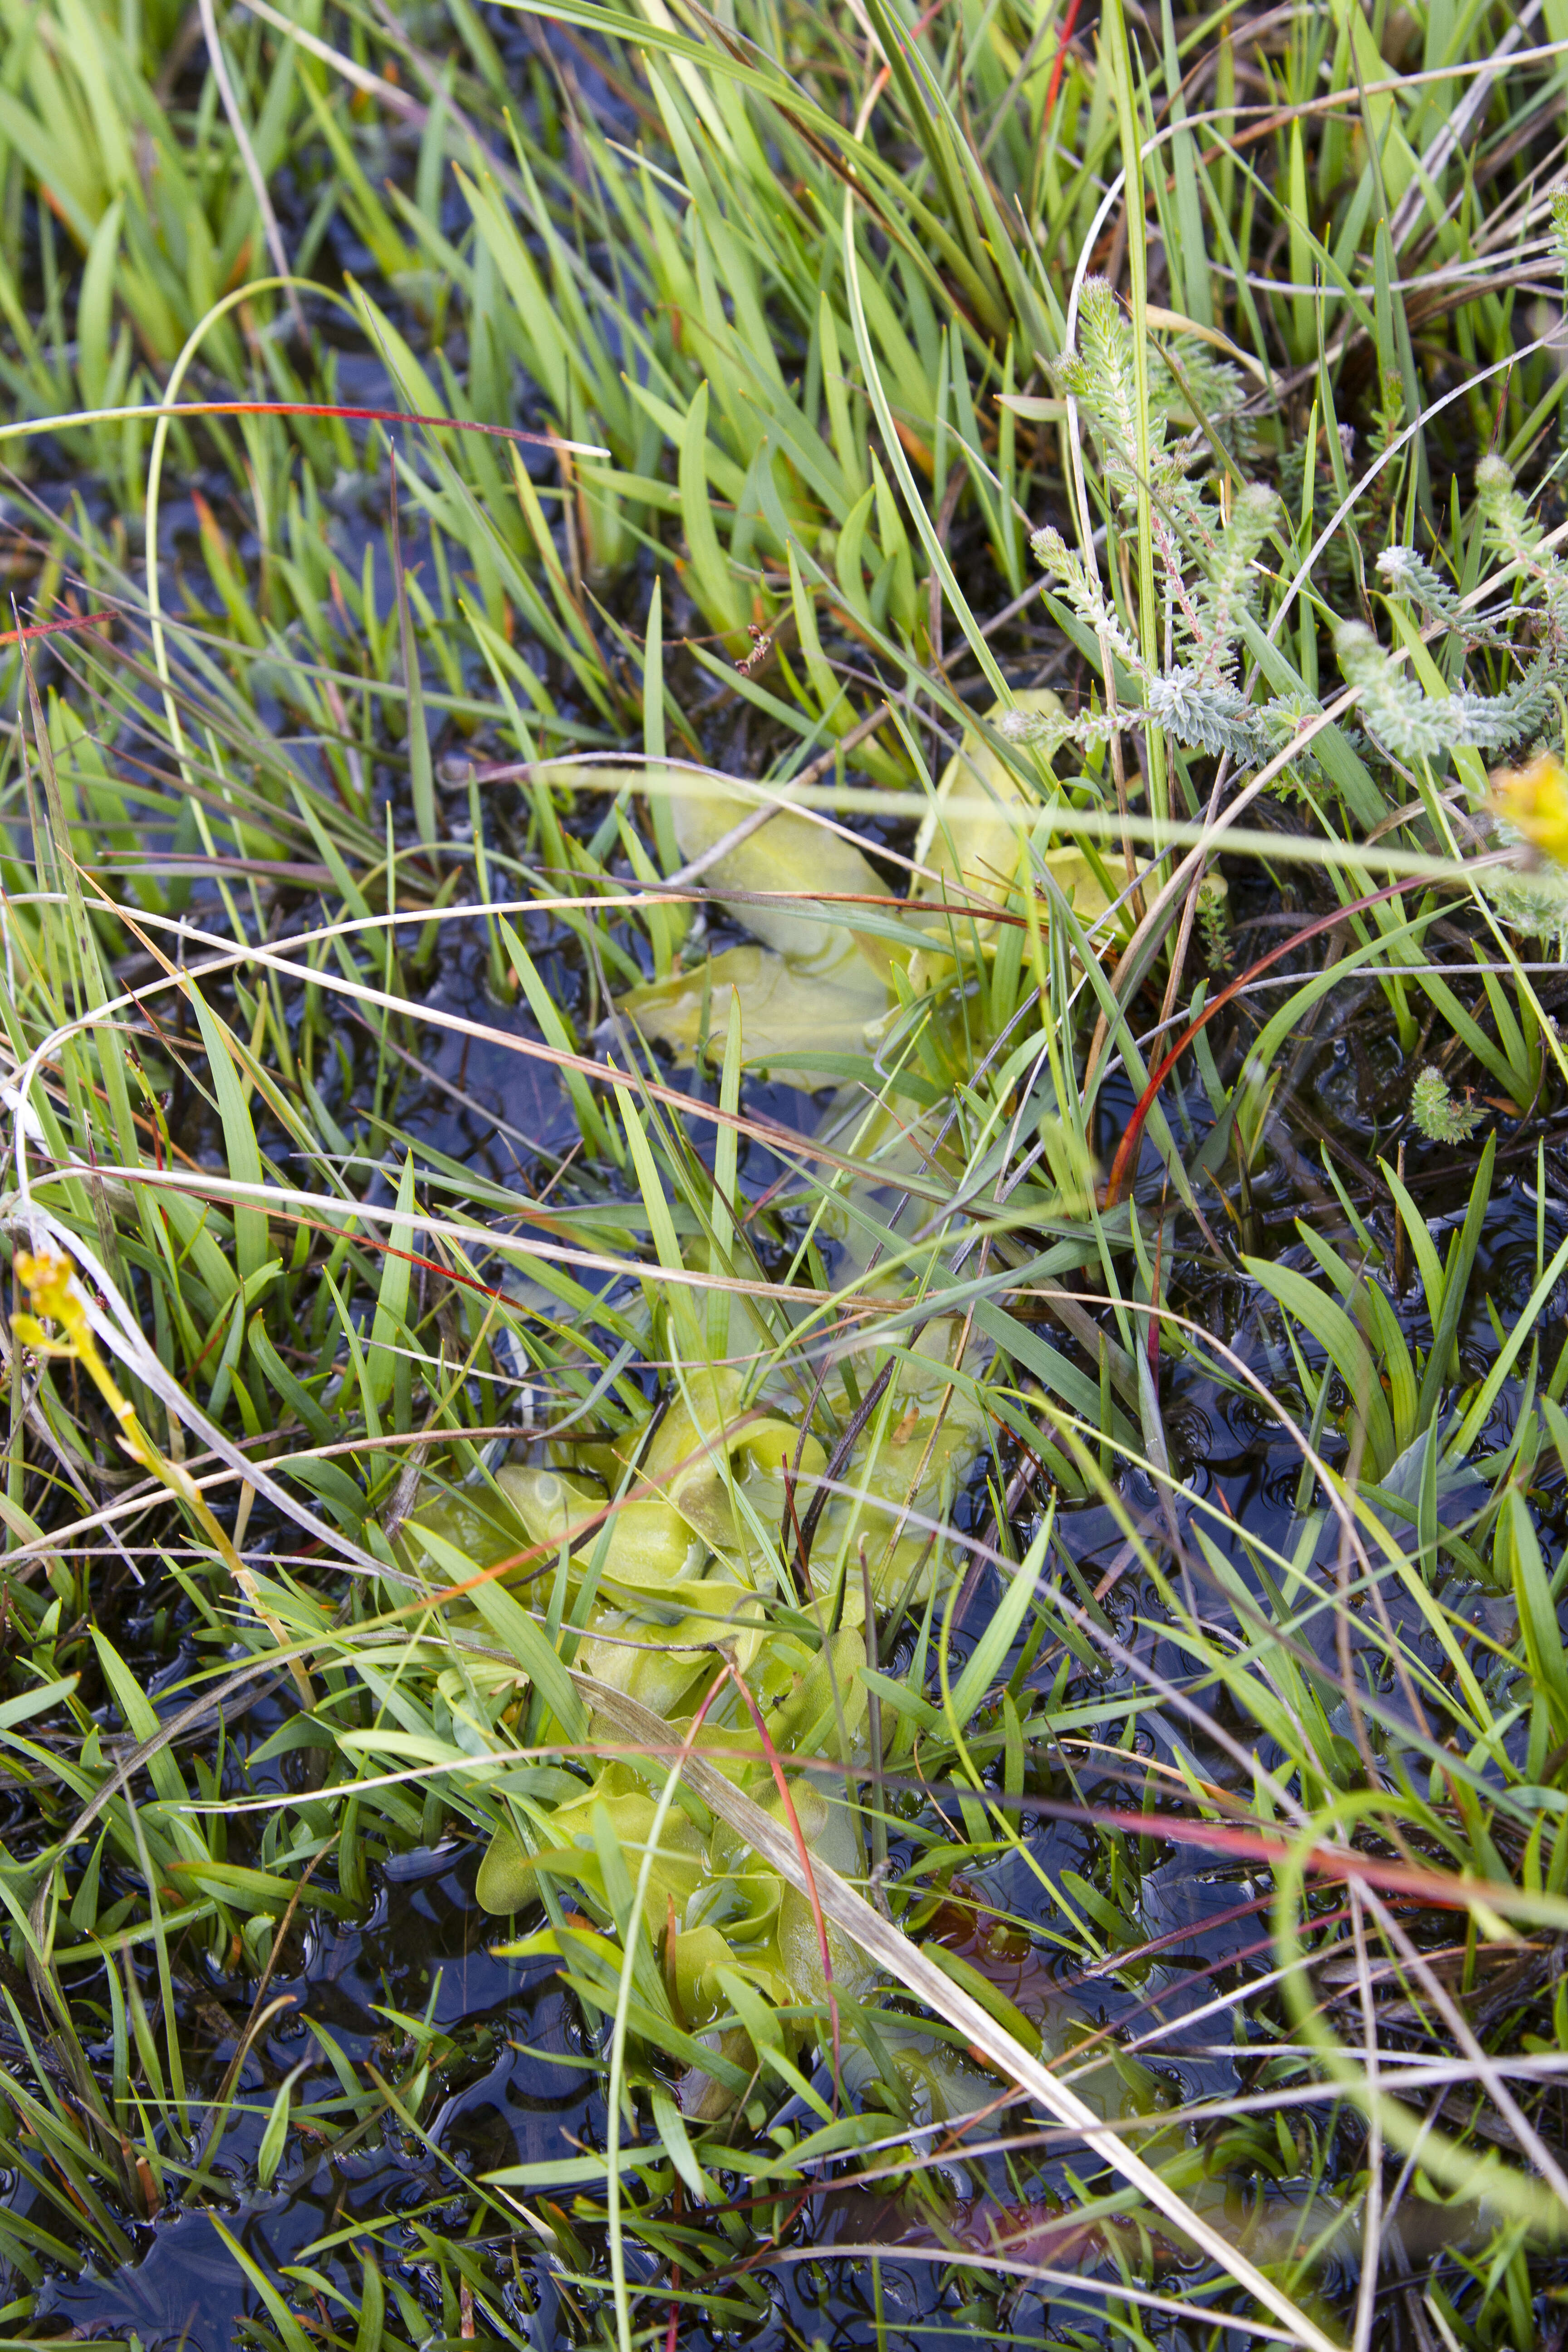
(50, 628)
(1443, 1890)
(776, 1767)
(1069, 29)
(1127, 1149)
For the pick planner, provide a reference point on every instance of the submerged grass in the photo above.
(786, 1180)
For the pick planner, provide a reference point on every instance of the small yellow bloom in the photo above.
(50, 1281)
(1534, 800)
(49, 1278)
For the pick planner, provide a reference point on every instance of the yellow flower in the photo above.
(49, 1278)
(51, 1284)
(1534, 800)
(50, 1281)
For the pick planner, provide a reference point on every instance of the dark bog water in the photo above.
(512, 2088)
(494, 2098)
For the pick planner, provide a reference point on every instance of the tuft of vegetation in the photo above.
(1439, 1118)
(784, 864)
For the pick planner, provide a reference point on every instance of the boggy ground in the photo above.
(630, 1387)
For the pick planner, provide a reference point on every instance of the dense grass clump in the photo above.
(786, 876)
